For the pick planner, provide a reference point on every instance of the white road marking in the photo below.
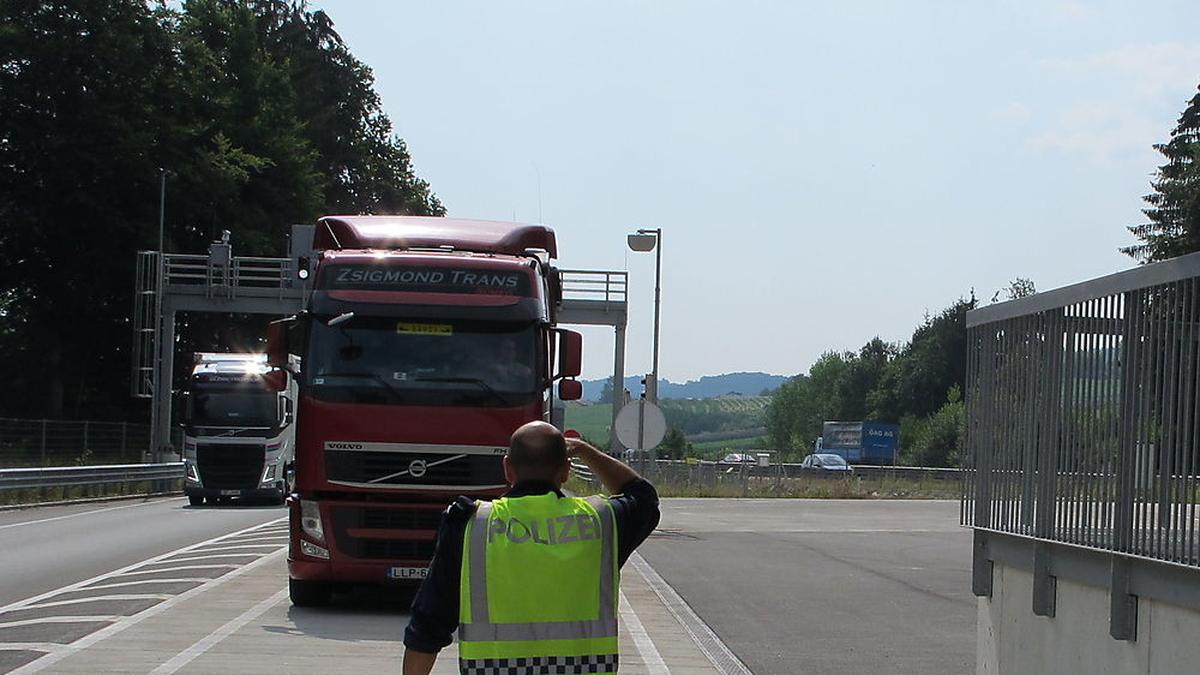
(651, 659)
(126, 621)
(86, 513)
(267, 538)
(100, 598)
(119, 572)
(30, 647)
(706, 640)
(58, 619)
(214, 638)
(158, 570)
(140, 582)
(218, 549)
(217, 556)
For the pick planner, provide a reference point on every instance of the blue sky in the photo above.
(823, 172)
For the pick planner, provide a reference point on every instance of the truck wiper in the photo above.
(369, 376)
(468, 380)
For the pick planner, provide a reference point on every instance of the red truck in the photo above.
(425, 343)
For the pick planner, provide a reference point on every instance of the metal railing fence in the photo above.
(1083, 415)
(594, 285)
(58, 443)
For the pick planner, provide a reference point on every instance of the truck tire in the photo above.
(309, 593)
(195, 500)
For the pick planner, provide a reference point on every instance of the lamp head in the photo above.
(642, 242)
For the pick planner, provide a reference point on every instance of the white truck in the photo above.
(239, 429)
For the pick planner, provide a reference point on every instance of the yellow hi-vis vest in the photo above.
(538, 592)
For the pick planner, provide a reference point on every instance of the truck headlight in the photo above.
(268, 474)
(190, 472)
(310, 520)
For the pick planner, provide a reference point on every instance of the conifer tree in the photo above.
(1173, 208)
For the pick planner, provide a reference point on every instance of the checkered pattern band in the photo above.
(540, 665)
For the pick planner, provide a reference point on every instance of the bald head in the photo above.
(537, 451)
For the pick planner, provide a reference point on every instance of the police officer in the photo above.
(536, 571)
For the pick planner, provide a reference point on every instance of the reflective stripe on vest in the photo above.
(584, 645)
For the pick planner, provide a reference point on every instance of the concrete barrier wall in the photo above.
(1015, 641)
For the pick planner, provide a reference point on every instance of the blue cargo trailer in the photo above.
(860, 442)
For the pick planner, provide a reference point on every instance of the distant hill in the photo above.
(709, 386)
(709, 419)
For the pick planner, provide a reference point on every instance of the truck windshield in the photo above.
(426, 362)
(228, 407)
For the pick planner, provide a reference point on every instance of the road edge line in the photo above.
(652, 660)
(709, 643)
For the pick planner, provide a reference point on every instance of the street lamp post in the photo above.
(645, 240)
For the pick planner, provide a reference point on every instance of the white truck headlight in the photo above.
(310, 520)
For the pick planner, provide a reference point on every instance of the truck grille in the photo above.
(232, 466)
(382, 547)
(370, 467)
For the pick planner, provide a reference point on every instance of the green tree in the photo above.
(673, 445)
(256, 109)
(863, 373)
(940, 438)
(82, 89)
(800, 406)
(1173, 207)
(933, 361)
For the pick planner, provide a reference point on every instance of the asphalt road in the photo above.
(825, 586)
(791, 586)
(49, 547)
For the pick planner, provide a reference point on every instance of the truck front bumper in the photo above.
(273, 492)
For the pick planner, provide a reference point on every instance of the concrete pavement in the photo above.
(825, 586)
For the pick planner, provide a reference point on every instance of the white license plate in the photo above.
(230, 493)
(407, 572)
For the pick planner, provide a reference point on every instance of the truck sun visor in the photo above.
(424, 280)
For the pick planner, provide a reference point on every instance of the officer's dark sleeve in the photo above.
(435, 608)
(636, 511)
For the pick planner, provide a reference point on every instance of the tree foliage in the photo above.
(674, 445)
(1173, 207)
(256, 109)
(907, 384)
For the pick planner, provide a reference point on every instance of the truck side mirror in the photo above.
(570, 354)
(278, 346)
(286, 405)
(570, 390)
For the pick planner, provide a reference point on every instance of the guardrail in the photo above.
(163, 477)
(669, 467)
(795, 470)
